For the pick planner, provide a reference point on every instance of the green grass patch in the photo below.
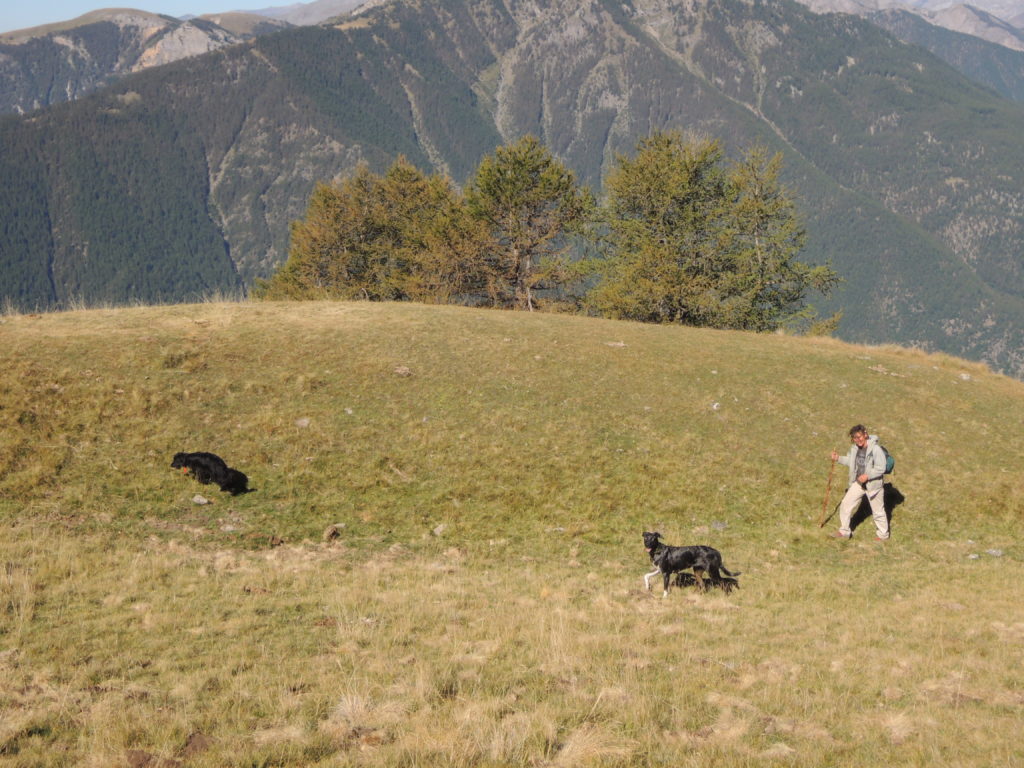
(489, 474)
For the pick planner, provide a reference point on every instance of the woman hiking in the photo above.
(866, 461)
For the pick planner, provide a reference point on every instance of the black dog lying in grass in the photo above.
(669, 560)
(210, 468)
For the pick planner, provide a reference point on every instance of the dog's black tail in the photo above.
(729, 573)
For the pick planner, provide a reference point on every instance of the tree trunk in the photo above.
(524, 296)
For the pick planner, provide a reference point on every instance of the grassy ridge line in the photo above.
(132, 619)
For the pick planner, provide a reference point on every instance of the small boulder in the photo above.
(196, 744)
(333, 531)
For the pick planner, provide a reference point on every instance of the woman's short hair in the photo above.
(858, 429)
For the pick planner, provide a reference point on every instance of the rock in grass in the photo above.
(200, 499)
(196, 744)
(332, 532)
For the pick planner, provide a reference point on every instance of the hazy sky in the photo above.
(19, 14)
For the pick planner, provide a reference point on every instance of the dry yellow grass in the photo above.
(483, 603)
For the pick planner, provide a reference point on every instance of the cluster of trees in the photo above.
(683, 236)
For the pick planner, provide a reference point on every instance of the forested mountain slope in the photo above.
(184, 178)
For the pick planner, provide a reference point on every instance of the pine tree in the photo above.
(444, 250)
(691, 242)
(663, 217)
(764, 234)
(336, 250)
(400, 236)
(531, 204)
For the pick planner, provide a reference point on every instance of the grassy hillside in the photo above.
(489, 474)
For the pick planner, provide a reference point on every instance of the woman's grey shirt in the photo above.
(874, 464)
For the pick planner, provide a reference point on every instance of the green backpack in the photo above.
(890, 462)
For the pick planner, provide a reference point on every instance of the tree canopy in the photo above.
(531, 204)
(693, 240)
(684, 236)
(400, 236)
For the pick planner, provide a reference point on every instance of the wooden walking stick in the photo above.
(828, 492)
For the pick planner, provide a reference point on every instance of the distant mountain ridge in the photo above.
(183, 179)
(1004, 9)
(61, 62)
(302, 14)
(968, 19)
(996, 66)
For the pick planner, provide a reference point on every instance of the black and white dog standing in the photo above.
(668, 560)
